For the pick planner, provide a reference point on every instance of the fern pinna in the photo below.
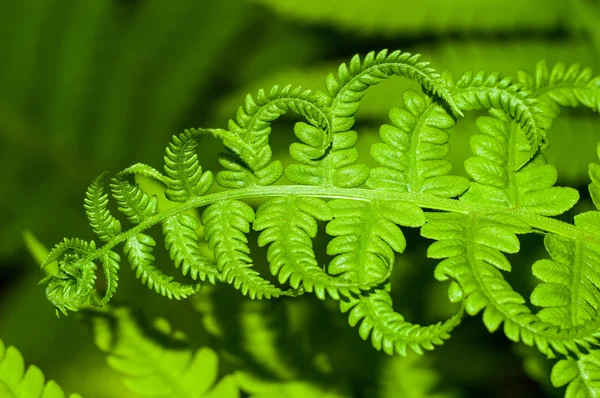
(474, 222)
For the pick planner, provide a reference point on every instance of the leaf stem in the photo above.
(542, 223)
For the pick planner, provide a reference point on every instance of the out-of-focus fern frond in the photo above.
(393, 17)
(83, 84)
(157, 361)
(409, 377)
(18, 382)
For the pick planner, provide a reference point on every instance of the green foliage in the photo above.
(422, 126)
(410, 377)
(18, 382)
(582, 376)
(391, 17)
(138, 249)
(156, 361)
(86, 83)
(101, 221)
(186, 179)
(567, 87)
(290, 255)
(475, 222)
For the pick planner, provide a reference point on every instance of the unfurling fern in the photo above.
(475, 223)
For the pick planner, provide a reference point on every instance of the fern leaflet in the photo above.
(162, 365)
(18, 382)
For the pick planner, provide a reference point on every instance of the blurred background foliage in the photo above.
(88, 86)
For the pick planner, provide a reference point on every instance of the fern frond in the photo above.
(366, 235)
(500, 151)
(146, 171)
(472, 251)
(157, 361)
(337, 168)
(388, 329)
(110, 265)
(347, 88)
(95, 204)
(73, 285)
(74, 246)
(225, 224)
(413, 150)
(133, 202)
(453, 55)
(252, 125)
(567, 87)
(570, 294)
(288, 224)
(582, 375)
(185, 178)
(18, 382)
(181, 240)
(474, 223)
(138, 250)
(483, 90)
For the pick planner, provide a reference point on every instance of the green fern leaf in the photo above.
(18, 382)
(181, 239)
(582, 375)
(366, 237)
(567, 87)
(73, 285)
(500, 151)
(290, 253)
(570, 293)
(347, 88)
(482, 90)
(156, 361)
(254, 167)
(475, 224)
(133, 202)
(388, 329)
(144, 170)
(74, 246)
(139, 249)
(455, 56)
(225, 224)
(110, 264)
(413, 149)
(95, 203)
(472, 250)
(185, 178)
(337, 168)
